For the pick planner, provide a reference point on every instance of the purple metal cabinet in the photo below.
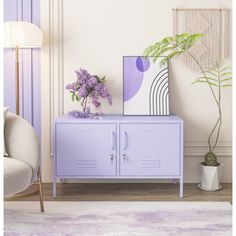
(150, 149)
(118, 147)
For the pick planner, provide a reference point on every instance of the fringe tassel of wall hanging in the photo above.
(213, 24)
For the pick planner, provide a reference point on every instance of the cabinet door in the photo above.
(85, 149)
(149, 149)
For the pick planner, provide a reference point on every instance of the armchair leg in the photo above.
(40, 191)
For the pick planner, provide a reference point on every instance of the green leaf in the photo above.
(164, 52)
(226, 73)
(155, 58)
(170, 56)
(226, 68)
(209, 78)
(183, 35)
(148, 50)
(167, 40)
(77, 98)
(226, 85)
(155, 53)
(200, 81)
(211, 73)
(73, 97)
(186, 41)
(226, 79)
(164, 61)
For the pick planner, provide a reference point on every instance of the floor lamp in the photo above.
(21, 34)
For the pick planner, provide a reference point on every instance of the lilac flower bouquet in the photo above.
(88, 86)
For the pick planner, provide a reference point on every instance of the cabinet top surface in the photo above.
(121, 119)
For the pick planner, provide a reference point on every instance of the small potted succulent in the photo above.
(216, 78)
(87, 88)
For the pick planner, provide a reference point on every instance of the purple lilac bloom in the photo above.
(99, 87)
(92, 82)
(104, 92)
(71, 87)
(83, 92)
(96, 103)
(78, 114)
(91, 86)
(94, 95)
(82, 76)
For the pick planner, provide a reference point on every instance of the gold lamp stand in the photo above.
(17, 80)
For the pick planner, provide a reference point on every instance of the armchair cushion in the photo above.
(22, 142)
(17, 176)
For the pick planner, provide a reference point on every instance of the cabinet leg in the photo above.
(54, 188)
(181, 187)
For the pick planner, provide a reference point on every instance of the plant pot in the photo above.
(210, 177)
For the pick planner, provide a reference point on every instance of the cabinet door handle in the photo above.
(125, 140)
(113, 140)
(113, 157)
(125, 157)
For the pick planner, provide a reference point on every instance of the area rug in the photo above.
(118, 219)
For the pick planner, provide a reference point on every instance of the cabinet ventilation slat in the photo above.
(150, 163)
(85, 164)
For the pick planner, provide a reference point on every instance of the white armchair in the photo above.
(21, 166)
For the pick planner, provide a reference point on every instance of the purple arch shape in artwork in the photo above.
(134, 68)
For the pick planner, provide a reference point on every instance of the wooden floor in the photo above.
(129, 192)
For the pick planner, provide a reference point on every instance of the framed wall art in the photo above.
(145, 86)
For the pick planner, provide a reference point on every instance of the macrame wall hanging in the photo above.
(213, 24)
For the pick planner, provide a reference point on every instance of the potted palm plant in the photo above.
(216, 78)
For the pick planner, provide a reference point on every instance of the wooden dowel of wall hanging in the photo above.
(198, 9)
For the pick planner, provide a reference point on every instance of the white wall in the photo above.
(96, 34)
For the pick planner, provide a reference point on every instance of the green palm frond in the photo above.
(170, 47)
(216, 76)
